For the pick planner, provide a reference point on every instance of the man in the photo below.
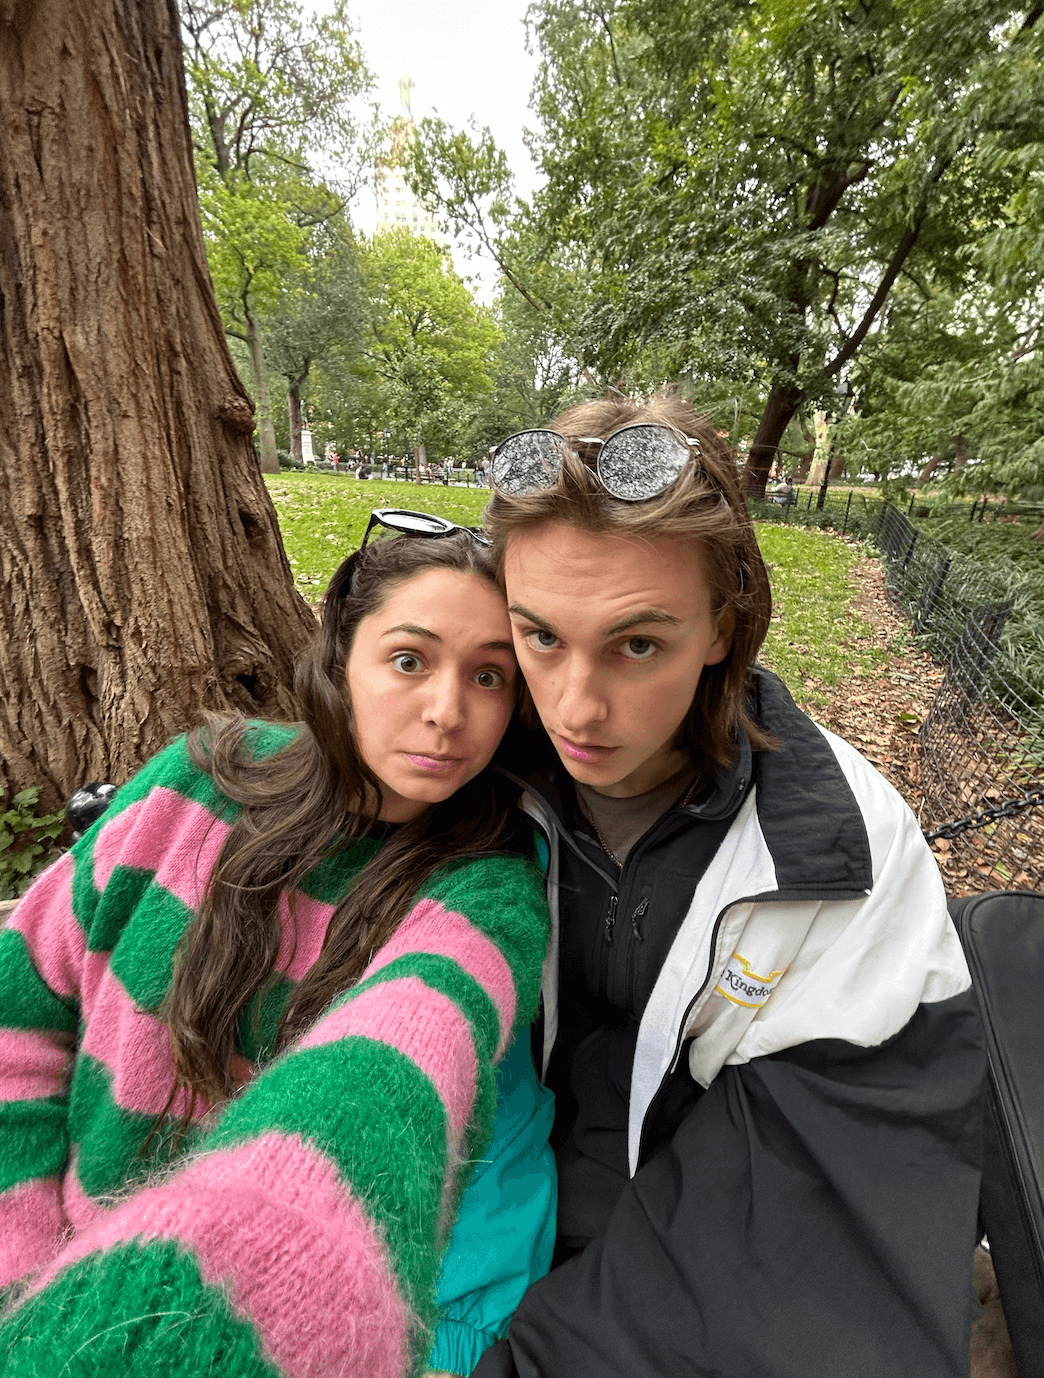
(757, 1019)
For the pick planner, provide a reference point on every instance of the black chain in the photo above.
(1007, 809)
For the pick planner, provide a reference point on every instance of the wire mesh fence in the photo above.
(982, 742)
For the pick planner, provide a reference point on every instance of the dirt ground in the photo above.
(881, 713)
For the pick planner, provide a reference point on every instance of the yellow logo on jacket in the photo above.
(743, 986)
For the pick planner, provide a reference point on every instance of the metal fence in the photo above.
(845, 510)
(982, 743)
(857, 511)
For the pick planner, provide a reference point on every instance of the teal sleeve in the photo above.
(505, 1230)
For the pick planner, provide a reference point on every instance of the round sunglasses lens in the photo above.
(641, 462)
(527, 462)
(422, 523)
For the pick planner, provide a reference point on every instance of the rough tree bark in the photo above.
(143, 573)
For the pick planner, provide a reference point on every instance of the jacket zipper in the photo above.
(638, 939)
(607, 942)
(610, 920)
(685, 1016)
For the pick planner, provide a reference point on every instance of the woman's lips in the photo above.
(581, 751)
(436, 765)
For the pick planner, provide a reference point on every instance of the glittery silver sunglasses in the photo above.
(636, 462)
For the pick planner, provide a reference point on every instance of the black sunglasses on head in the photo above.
(406, 523)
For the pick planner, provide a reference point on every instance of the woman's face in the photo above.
(432, 680)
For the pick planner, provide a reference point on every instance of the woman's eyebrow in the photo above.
(415, 629)
(412, 629)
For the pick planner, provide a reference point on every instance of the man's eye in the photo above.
(639, 648)
(406, 663)
(489, 679)
(541, 640)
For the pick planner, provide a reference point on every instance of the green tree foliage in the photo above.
(318, 316)
(744, 184)
(958, 375)
(425, 356)
(282, 140)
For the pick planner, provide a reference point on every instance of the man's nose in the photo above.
(581, 703)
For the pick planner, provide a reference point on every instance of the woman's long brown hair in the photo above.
(313, 797)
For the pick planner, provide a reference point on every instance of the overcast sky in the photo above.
(466, 57)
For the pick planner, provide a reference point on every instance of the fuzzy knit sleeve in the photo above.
(54, 963)
(304, 1239)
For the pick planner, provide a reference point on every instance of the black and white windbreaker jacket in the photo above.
(812, 1214)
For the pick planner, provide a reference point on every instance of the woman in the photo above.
(196, 946)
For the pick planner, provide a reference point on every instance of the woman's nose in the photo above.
(446, 704)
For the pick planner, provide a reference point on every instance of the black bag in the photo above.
(1003, 937)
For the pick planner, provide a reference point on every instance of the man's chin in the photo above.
(601, 773)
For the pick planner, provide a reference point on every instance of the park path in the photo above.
(880, 713)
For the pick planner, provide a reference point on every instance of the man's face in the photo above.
(612, 634)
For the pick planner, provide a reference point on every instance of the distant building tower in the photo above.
(397, 207)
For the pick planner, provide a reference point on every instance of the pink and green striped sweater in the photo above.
(300, 1233)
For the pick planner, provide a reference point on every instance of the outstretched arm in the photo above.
(305, 1237)
(41, 952)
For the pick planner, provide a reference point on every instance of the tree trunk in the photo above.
(293, 398)
(143, 573)
(263, 394)
(928, 470)
(837, 467)
(779, 409)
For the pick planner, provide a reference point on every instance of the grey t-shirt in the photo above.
(619, 823)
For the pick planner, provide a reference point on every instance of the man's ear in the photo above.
(722, 644)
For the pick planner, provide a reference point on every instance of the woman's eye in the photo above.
(489, 679)
(406, 663)
(639, 648)
(541, 640)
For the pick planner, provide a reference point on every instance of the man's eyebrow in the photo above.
(520, 610)
(412, 629)
(641, 618)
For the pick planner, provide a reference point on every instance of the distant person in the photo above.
(783, 492)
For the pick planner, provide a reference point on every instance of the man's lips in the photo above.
(585, 751)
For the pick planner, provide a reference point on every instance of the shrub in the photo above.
(26, 840)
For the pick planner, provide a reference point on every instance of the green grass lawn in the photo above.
(323, 517)
(815, 641)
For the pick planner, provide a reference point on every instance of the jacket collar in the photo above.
(811, 822)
